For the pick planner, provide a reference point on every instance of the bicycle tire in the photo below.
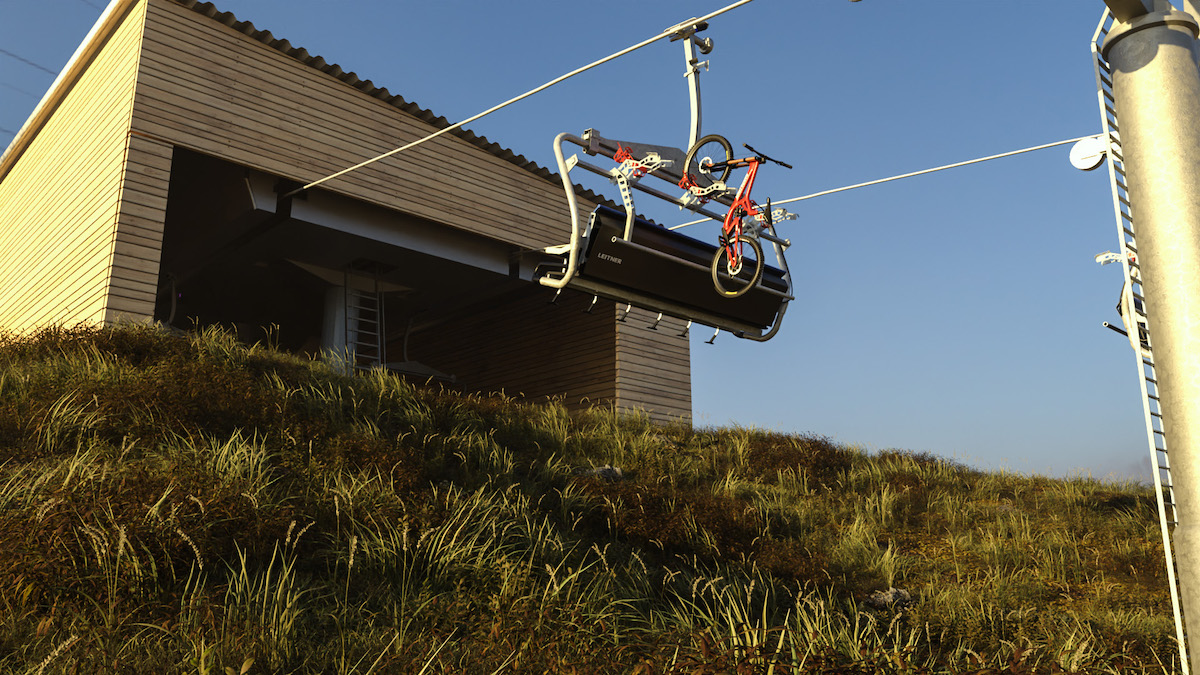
(698, 152)
(739, 284)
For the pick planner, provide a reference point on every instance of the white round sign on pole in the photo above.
(1088, 153)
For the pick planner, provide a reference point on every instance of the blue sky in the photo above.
(956, 313)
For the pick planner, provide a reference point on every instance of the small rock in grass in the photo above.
(612, 474)
(892, 598)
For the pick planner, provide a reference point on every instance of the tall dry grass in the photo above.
(192, 504)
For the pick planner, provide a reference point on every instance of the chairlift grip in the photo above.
(686, 29)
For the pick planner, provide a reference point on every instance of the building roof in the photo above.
(116, 10)
(366, 86)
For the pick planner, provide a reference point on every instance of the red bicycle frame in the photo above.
(743, 206)
(730, 258)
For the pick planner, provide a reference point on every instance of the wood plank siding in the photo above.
(654, 370)
(213, 89)
(133, 280)
(60, 197)
(531, 348)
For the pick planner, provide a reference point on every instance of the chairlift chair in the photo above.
(630, 260)
(622, 257)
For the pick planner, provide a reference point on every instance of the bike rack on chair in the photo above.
(622, 257)
(627, 258)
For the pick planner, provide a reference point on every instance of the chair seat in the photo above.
(672, 266)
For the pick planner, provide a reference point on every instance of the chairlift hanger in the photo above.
(632, 261)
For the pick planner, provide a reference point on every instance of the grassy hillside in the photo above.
(188, 504)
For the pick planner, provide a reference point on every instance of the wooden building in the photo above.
(149, 183)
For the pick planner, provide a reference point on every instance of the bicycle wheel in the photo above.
(732, 283)
(708, 150)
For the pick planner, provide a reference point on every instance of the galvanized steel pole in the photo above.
(1156, 84)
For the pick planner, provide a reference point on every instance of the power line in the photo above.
(666, 33)
(27, 62)
(18, 90)
(911, 174)
(89, 3)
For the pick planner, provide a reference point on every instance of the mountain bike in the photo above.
(739, 255)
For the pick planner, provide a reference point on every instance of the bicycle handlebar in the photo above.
(764, 156)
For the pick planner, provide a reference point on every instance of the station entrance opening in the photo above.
(331, 276)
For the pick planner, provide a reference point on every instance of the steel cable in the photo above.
(667, 33)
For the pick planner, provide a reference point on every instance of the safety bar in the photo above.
(595, 144)
(774, 239)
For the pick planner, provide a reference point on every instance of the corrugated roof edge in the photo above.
(247, 28)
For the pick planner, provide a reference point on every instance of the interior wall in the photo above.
(524, 345)
(211, 270)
